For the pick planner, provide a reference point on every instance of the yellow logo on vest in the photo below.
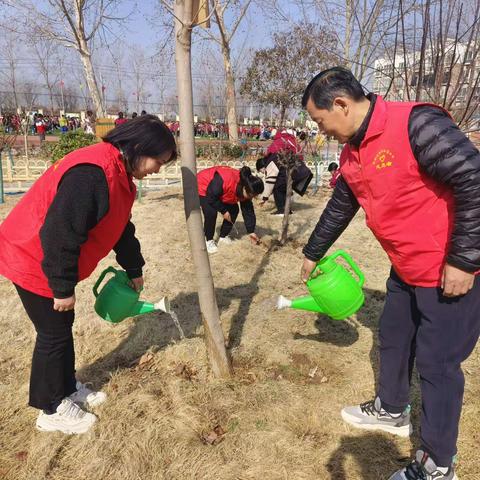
(383, 159)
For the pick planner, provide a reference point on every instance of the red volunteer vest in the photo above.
(410, 214)
(231, 179)
(21, 252)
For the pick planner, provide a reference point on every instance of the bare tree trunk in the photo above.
(92, 84)
(426, 27)
(230, 96)
(348, 30)
(225, 41)
(288, 204)
(214, 338)
(282, 114)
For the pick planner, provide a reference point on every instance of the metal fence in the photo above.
(18, 171)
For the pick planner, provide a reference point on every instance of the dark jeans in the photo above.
(421, 325)
(53, 364)
(280, 197)
(210, 218)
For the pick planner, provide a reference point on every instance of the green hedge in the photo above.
(67, 143)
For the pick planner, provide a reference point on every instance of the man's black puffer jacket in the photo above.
(445, 154)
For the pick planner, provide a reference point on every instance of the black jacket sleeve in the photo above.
(248, 214)
(338, 213)
(215, 192)
(447, 155)
(129, 255)
(80, 203)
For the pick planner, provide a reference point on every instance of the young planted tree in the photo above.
(185, 15)
(277, 76)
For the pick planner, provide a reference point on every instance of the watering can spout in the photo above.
(306, 303)
(141, 308)
(301, 303)
(163, 305)
(283, 302)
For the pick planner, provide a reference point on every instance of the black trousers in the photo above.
(52, 376)
(280, 197)
(210, 218)
(421, 325)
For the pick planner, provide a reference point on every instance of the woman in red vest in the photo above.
(71, 218)
(220, 190)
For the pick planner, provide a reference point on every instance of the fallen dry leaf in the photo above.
(22, 456)
(214, 436)
(324, 380)
(185, 371)
(313, 371)
(143, 361)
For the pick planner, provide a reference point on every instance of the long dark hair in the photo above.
(142, 136)
(252, 184)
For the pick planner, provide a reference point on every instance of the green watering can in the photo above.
(117, 300)
(334, 292)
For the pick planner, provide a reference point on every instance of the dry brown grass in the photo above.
(280, 423)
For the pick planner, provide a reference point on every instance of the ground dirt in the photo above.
(167, 418)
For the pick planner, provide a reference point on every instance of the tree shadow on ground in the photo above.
(345, 333)
(163, 198)
(154, 331)
(375, 453)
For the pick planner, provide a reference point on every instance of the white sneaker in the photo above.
(225, 240)
(87, 397)
(212, 246)
(371, 416)
(69, 418)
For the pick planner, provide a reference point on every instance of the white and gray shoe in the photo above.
(69, 418)
(424, 468)
(84, 396)
(212, 246)
(371, 416)
(225, 240)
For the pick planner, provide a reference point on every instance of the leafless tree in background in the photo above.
(73, 24)
(8, 72)
(49, 65)
(235, 11)
(435, 57)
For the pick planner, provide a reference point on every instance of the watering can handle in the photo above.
(349, 260)
(100, 279)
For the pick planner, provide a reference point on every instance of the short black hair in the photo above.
(332, 167)
(142, 136)
(331, 83)
(252, 184)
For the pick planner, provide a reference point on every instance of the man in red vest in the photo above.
(416, 176)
